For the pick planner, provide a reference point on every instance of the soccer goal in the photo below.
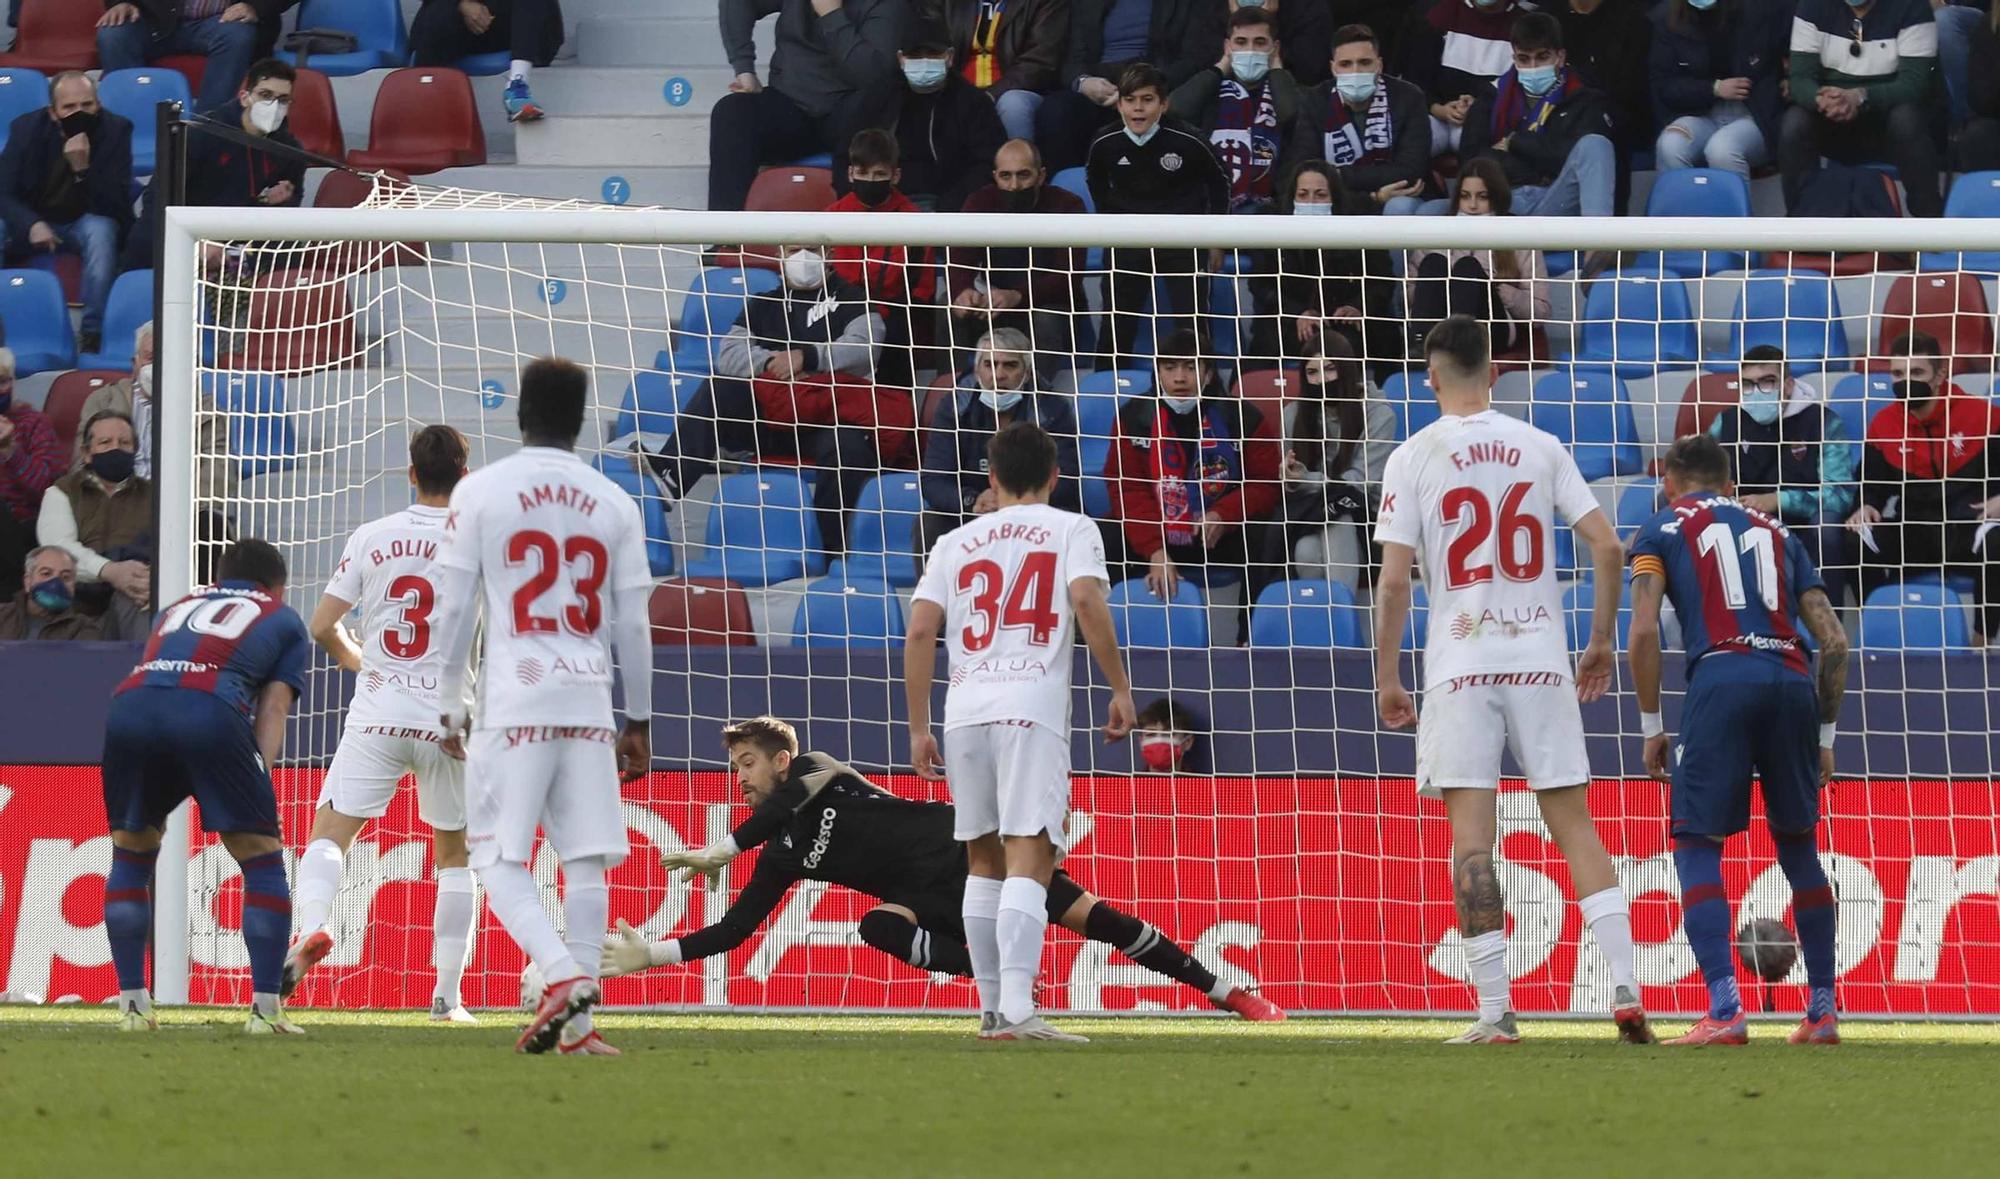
(787, 491)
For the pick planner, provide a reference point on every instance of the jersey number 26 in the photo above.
(1522, 544)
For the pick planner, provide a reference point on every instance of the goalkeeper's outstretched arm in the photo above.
(627, 952)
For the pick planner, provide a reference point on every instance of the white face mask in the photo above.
(804, 270)
(143, 382)
(1313, 208)
(267, 116)
(1180, 404)
(1000, 401)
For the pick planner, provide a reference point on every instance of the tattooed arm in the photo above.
(1817, 613)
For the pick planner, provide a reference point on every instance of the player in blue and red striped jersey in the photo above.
(1741, 586)
(203, 716)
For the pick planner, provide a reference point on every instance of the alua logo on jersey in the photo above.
(1510, 622)
(595, 666)
(398, 679)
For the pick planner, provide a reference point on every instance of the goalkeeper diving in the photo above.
(818, 819)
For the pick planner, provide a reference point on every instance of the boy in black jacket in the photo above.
(1549, 131)
(1152, 164)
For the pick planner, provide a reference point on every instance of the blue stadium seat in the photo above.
(37, 321)
(1074, 180)
(133, 94)
(484, 65)
(1855, 398)
(1976, 194)
(1914, 616)
(761, 531)
(1416, 632)
(260, 427)
(129, 306)
(1638, 503)
(846, 612)
(1098, 396)
(1306, 614)
(1410, 397)
(617, 466)
(1699, 192)
(713, 305)
(881, 537)
(1578, 602)
(1798, 311)
(1588, 409)
(1636, 320)
(382, 41)
(817, 160)
(652, 401)
(21, 91)
(1143, 620)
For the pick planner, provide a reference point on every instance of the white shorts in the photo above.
(553, 778)
(1461, 733)
(368, 766)
(1011, 777)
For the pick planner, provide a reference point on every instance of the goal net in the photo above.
(797, 400)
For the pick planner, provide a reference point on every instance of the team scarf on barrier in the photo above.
(1367, 142)
(1246, 141)
(1194, 473)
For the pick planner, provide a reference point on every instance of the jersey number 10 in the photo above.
(1758, 544)
(1029, 601)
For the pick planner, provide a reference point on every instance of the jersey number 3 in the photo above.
(1521, 541)
(583, 615)
(1029, 602)
(410, 638)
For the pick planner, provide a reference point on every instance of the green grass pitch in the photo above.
(386, 1094)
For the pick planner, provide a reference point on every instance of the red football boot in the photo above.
(561, 1002)
(1252, 1006)
(1716, 1031)
(1825, 1030)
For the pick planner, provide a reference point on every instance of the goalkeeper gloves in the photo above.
(626, 951)
(707, 862)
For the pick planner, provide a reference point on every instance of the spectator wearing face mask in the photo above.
(1792, 460)
(900, 281)
(102, 512)
(1505, 289)
(1338, 436)
(1165, 734)
(1246, 104)
(46, 605)
(1193, 471)
(1034, 291)
(66, 185)
(31, 459)
(1547, 129)
(1373, 128)
(1298, 296)
(1472, 51)
(946, 130)
(1012, 50)
(795, 378)
(1928, 483)
(218, 473)
(1000, 391)
(1107, 38)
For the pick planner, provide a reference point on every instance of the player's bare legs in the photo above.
(1566, 812)
(1482, 914)
(267, 925)
(128, 922)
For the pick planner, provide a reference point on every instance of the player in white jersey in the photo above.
(1475, 494)
(389, 571)
(561, 553)
(1005, 590)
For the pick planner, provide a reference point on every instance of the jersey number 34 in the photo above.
(1027, 602)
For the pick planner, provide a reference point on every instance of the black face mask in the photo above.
(78, 123)
(113, 466)
(1912, 390)
(1020, 200)
(872, 193)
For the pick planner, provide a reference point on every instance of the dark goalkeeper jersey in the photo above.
(829, 823)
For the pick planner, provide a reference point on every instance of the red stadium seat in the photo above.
(299, 320)
(315, 117)
(342, 189)
(1949, 307)
(1706, 397)
(790, 189)
(192, 66)
(701, 612)
(1268, 384)
(424, 121)
(64, 405)
(940, 391)
(55, 35)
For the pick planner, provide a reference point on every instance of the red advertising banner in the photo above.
(1332, 895)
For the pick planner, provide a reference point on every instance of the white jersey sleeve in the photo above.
(1400, 518)
(1086, 554)
(1573, 497)
(346, 582)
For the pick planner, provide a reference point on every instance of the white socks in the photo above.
(1022, 926)
(1486, 962)
(1609, 916)
(318, 883)
(586, 907)
(510, 892)
(517, 70)
(981, 908)
(451, 930)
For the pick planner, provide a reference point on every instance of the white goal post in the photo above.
(1921, 927)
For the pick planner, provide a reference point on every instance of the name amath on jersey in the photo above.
(1007, 591)
(389, 572)
(1473, 498)
(1746, 593)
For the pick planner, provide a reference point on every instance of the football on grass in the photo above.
(1767, 948)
